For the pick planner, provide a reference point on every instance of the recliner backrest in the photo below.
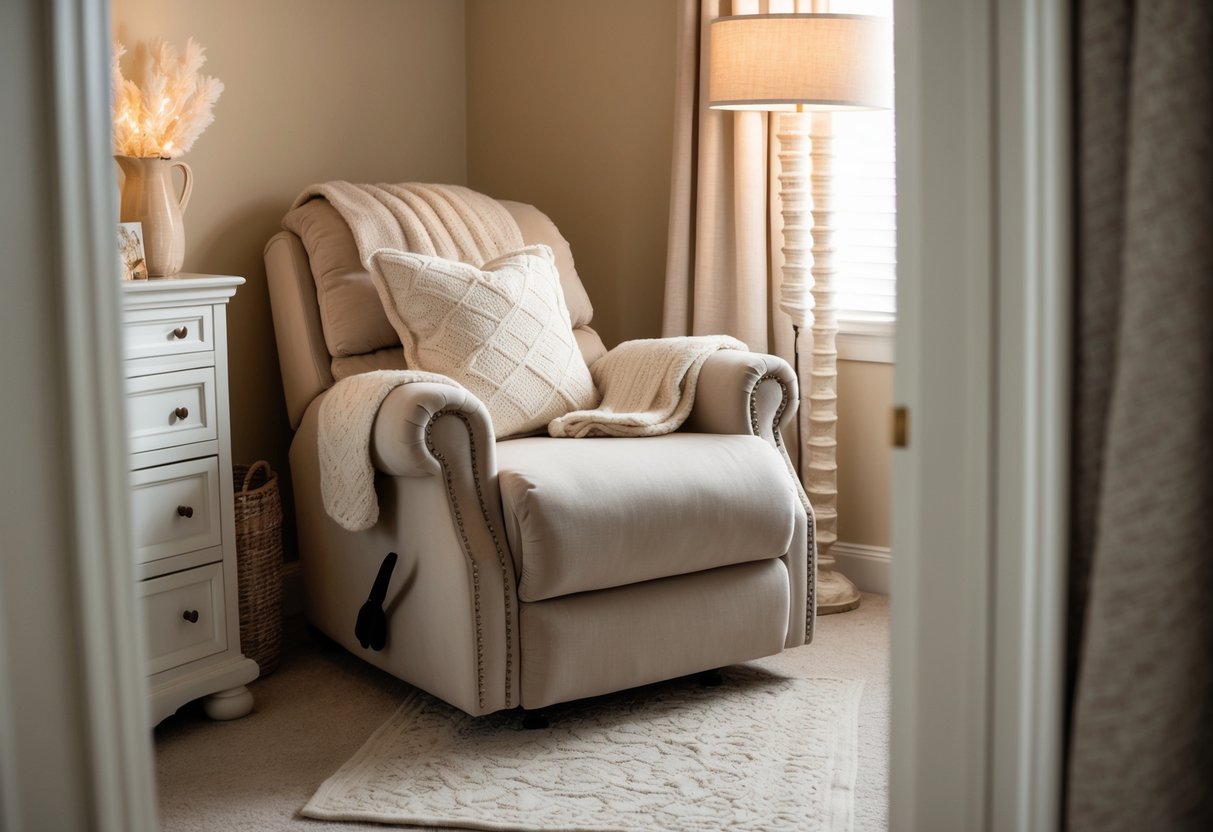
(328, 320)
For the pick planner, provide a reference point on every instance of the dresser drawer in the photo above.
(169, 409)
(175, 508)
(182, 329)
(183, 617)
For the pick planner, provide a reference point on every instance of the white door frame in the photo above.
(980, 495)
(1030, 544)
(75, 749)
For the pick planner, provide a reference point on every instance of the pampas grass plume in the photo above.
(167, 113)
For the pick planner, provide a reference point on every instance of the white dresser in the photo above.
(175, 361)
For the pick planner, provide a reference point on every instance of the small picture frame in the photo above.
(130, 250)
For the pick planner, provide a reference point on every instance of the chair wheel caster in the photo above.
(711, 678)
(534, 720)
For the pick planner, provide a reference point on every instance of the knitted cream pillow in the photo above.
(501, 330)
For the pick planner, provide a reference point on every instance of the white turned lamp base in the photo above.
(835, 593)
(228, 704)
(817, 63)
(807, 296)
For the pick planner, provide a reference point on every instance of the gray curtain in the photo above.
(1141, 632)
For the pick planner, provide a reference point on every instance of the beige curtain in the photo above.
(723, 262)
(1141, 631)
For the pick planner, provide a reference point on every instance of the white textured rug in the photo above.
(759, 752)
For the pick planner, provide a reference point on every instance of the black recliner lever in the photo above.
(371, 628)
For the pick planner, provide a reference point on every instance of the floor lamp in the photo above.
(802, 67)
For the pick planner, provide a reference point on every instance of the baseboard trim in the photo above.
(866, 566)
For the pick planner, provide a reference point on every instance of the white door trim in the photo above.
(980, 493)
(117, 748)
(941, 509)
(1034, 269)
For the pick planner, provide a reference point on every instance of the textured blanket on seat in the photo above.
(647, 385)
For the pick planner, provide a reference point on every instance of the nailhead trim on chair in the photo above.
(467, 551)
(810, 618)
(507, 581)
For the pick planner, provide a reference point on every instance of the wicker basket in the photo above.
(259, 560)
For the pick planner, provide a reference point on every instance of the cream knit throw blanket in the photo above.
(347, 414)
(445, 221)
(648, 387)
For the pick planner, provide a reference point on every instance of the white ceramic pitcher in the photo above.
(148, 197)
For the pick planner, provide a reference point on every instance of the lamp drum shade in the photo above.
(808, 61)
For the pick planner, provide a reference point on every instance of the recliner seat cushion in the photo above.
(587, 514)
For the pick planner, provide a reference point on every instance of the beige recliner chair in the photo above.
(536, 570)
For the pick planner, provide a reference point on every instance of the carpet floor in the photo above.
(322, 703)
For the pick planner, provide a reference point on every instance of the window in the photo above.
(865, 219)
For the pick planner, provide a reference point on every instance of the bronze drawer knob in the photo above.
(180, 332)
(182, 413)
(185, 511)
(191, 616)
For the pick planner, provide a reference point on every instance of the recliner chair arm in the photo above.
(427, 430)
(756, 394)
(744, 392)
(406, 433)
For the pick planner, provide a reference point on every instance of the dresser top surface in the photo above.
(184, 287)
(181, 280)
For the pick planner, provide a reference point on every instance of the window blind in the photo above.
(864, 192)
(865, 217)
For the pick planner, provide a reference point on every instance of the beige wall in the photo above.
(371, 90)
(570, 107)
(865, 401)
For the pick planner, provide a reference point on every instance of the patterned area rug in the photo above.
(758, 752)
